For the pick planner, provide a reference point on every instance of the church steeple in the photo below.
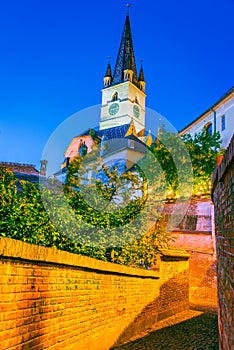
(125, 68)
(123, 95)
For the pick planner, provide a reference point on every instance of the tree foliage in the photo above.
(203, 150)
(110, 201)
(117, 199)
(23, 217)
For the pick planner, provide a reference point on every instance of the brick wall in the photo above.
(223, 198)
(52, 299)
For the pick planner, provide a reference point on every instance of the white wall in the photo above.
(226, 107)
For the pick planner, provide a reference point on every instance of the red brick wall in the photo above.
(52, 299)
(223, 198)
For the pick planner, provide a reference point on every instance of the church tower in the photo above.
(123, 95)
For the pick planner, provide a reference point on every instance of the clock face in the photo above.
(136, 111)
(113, 109)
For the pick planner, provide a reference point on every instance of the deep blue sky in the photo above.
(53, 55)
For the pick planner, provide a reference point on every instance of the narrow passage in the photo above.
(188, 330)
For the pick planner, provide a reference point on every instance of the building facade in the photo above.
(219, 117)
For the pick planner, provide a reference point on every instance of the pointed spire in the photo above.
(141, 133)
(149, 139)
(108, 70)
(108, 76)
(141, 75)
(141, 79)
(131, 130)
(158, 138)
(125, 59)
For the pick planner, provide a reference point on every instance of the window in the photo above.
(130, 143)
(223, 123)
(136, 100)
(209, 128)
(115, 97)
(127, 76)
(83, 149)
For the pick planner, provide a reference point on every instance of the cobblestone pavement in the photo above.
(188, 330)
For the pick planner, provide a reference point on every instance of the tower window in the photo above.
(115, 97)
(107, 81)
(127, 76)
(223, 123)
(136, 100)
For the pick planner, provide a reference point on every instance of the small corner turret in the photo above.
(108, 76)
(141, 79)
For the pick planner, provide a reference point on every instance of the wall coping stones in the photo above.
(174, 254)
(15, 249)
(189, 232)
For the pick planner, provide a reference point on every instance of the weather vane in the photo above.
(128, 5)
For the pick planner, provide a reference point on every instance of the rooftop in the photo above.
(20, 168)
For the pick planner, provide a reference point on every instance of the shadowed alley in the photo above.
(191, 329)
